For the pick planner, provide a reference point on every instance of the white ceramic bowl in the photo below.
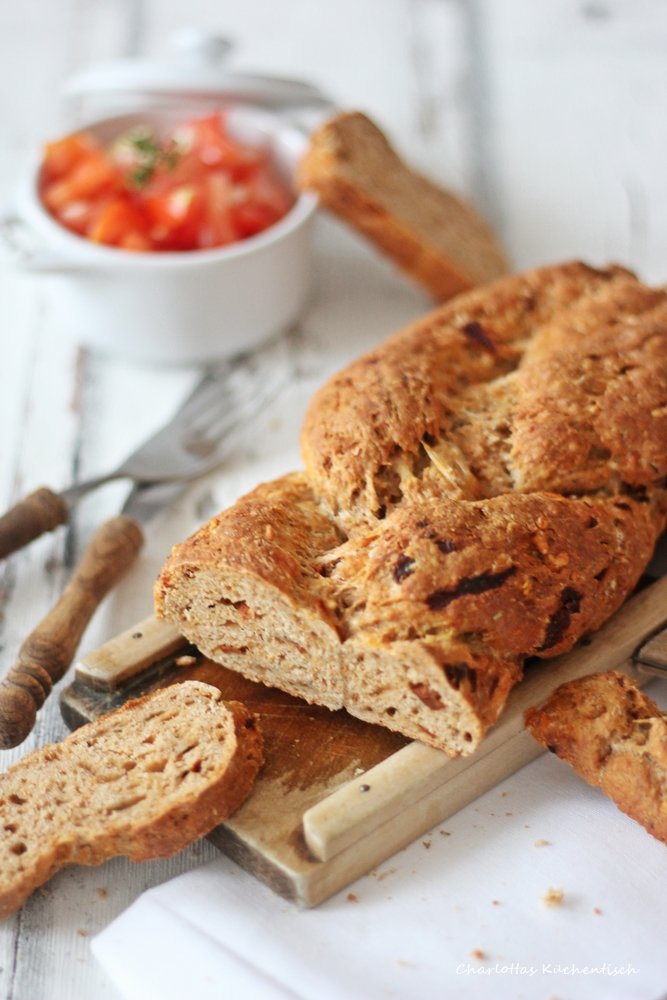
(181, 307)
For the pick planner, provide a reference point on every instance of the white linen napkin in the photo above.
(461, 913)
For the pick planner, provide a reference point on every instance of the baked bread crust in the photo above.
(615, 737)
(487, 485)
(143, 781)
(434, 237)
(553, 380)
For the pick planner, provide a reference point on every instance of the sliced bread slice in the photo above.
(143, 781)
(432, 235)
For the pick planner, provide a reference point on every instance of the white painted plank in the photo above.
(578, 134)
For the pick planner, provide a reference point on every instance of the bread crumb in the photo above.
(426, 843)
(352, 897)
(445, 833)
(495, 902)
(597, 910)
(478, 954)
(82, 933)
(542, 843)
(380, 875)
(553, 897)
(102, 892)
(185, 661)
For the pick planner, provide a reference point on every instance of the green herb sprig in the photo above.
(150, 155)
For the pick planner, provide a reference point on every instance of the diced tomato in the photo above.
(90, 177)
(174, 218)
(251, 218)
(118, 218)
(188, 169)
(171, 208)
(262, 203)
(196, 188)
(79, 216)
(217, 150)
(61, 156)
(135, 241)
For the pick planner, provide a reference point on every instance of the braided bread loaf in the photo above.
(487, 485)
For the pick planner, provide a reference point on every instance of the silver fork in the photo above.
(192, 443)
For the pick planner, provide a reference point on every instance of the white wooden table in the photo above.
(551, 116)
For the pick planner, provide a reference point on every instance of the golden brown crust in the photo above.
(143, 781)
(512, 576)
(488, 485)
(551, 380)
(615, 737)
(434, 609)
(434, 237)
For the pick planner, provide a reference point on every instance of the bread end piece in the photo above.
(267, 588)
(615, 738)
(143, 781)
(434, 237)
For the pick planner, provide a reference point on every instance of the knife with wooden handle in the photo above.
(46, 654)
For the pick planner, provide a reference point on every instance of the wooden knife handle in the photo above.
(48, 651)
(31, 517)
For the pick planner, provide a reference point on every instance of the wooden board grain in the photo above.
(338, 796)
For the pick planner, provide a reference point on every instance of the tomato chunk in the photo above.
(196, 187)
(92, 176)
(116, 220)
(61, 156)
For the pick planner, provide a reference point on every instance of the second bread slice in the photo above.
(143, 781)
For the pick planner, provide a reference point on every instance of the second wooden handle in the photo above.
(36, 514)
(48, 651)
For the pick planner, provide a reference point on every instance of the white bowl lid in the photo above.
(197, 73)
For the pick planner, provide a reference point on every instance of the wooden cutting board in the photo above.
(337, 796)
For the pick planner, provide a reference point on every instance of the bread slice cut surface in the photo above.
(143, 781)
